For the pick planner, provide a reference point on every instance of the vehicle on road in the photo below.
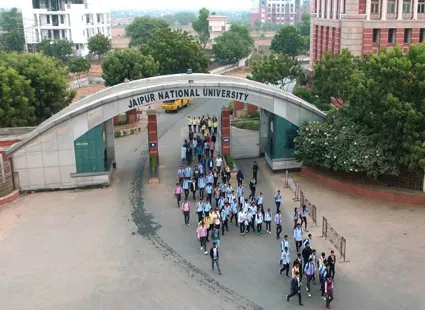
(175, 105)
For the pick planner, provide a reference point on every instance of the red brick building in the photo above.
(364, 26)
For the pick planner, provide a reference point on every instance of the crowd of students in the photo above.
(217, 204)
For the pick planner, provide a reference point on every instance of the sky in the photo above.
(162, 4)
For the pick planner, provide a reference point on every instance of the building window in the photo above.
(391, 35)
(223, 28)
(209, 28)
(374, 7)
(421, 35)
(49, 34)
(391, 6)
(421, 6)
(48, 19)
(62, 19)
(407, 35)
(406, 6)
(376, 35)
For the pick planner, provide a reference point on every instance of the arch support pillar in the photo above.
(152, 136)
(225, 131)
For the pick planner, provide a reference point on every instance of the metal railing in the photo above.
(329, 233)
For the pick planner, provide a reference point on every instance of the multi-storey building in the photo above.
(217, 25)
(364, 26)
(73, 20)
(285, 12)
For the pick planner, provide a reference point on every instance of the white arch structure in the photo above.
(46, 158)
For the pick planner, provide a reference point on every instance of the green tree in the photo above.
(99, 45)
(257, 25)
(60, 49)
(16, 95)
(78, 65)
(141, 29)
(332, 76)
(12, 38)
(184, 18)
(304, 26)
(275, 69)
(200, 25)
(288, 40)
(47, 77)
(233, 45)
(170, 19)
(176, 52)
(127, 63)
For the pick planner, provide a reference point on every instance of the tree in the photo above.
(380, 129)
(99, 45)
(47, 77)
(257, 25)
(233, 45)
(332, 76)
(176, 52)
(129, 64)
(304, 26)
(200, 25)
(275, 69)
(78, 65)
(11, 24)
(60, 49)
(184, 18)
(141, 29)
(288, 40)
(16, 95)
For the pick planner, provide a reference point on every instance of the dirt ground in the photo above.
(119, 40)
(86, 91)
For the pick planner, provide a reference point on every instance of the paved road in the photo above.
(81, 250)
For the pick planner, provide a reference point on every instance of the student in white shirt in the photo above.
(298, 236)
(268, 219)
(218, 163)
(285, 260)
(241, 221)
(259, 221)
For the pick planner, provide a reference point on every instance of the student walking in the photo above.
(241, 221)
(186, 188)
(252, 185)
(215, 236)
(268, 220)
(200, 209)
(309, 271)
(295, 217)
(218, 163)
(202, 237)
(303, 215)
(295, 288)
(329, 290)
(178, 193)
(255, 170)
(259, 221)
(277, 200)
(278, 221)
(332, 262)
(201, 186)
(239, 177)
(193, 187)
(298, 236)
(209, 190)
(186, 211)
(215, 257)
(285, 260)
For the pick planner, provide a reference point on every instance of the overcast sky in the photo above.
(162, 4)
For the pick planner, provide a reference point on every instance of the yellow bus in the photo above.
(175, 105)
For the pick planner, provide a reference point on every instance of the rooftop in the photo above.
(216, 17)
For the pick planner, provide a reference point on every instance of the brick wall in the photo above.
(6, 182)
(251, 108)
(237, 106)
(405, 179)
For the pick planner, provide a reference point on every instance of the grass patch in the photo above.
(247, 124)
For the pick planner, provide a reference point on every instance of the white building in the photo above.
(217, 25)
(73, 20)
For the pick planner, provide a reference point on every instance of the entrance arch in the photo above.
(46, 158)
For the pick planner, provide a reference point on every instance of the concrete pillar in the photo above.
(225, 131)
(384, 9)
(334, 8)
(415, 9)
(110, 141)
(322, 6)
(264, 131)
(400, 10)
(152, 134)
(328, 9)
(368, 6)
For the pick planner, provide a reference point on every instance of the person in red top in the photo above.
(178, 193)
(329, 290)
(186, 211)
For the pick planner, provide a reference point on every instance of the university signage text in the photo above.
(186, 93)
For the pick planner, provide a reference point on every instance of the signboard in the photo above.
(204, 92)
(152, 144)
(226, 139)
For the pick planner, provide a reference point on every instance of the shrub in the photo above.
(230, 106)
(250, 125)
(154, 164)
(124, 133)
(230, 162)
(132, 131)
(117, 134)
